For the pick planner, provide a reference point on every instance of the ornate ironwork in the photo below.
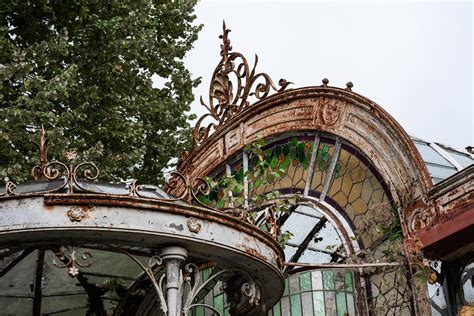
(225, 100)
(75, 177)
(191, 284)
(72, 260)
(9, 188)
(37, 173)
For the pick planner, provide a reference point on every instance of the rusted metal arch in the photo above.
(383, 140)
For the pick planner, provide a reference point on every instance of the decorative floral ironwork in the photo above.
(71, 177)
(9, 188)
(227, 100)
(193, 225)
(190, 284)
(71, 259)
(76, 213)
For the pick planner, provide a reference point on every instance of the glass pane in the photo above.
(327, 239)
(317, 280)
(463, 159)
(441, 172)
(310, 256)
(219, 303)
(289, 251)
(276, 310)
(294, 284)
(285, 306)
(467, 278)
(430, 155)
(348, 282)
(350, 305)
(341, 303)
(300, 225)
(305, 281)
(328, 280)
(330, 301)
(307, 302)
(295, 305)
(318, 302)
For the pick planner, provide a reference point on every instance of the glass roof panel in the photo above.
(430, 155)
(300, 225)
(327, 239)
(56, 281)
(289, 252)
(440, 172)
(315, 257)
(463, 159)
(19, 280)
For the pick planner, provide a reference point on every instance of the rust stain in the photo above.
(251, 251)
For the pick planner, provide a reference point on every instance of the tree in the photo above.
(84, 69)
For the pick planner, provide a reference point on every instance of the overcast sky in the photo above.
(414, 58)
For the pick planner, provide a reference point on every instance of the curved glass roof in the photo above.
(442, 161)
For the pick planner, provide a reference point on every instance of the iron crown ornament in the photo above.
(231, 85)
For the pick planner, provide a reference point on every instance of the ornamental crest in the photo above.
(328, 111)
(233, 82)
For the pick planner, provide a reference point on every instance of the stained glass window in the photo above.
(326, 292)
(326, 169)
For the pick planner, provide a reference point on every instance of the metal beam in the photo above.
(331, 168)
(302, 247)
(15, 261)
(245, 162)
(314, 153)
(38, 284)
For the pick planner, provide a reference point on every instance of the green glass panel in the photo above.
(274, 162)
(295, 301)
(337, 170)
(219, 303)
(286, 163)
(339, 280)
(226, 312)
(268, 155)
(221, 203)
(277, 310)
(328, 280)
(341, 303)
(292, 153)
(318, 303)
(239, 176)
(305, 281)
(286, 149)
(294, 142)
(322, 165)
(277, 151)
(199, 311)
(301, 154)
(285, 293)
(206, 273)
(258, 182)
(348, 282)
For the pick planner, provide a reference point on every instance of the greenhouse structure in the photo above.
(292, 201)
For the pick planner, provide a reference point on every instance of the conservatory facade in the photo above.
(303, 201)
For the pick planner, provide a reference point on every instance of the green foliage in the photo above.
(229, 190)
(84, 69)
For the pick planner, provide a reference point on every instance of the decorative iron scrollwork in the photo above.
(227, 100)
(72, 260)
(190, 284)
(9, 188)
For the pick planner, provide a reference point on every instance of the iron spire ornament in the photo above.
(231, 85)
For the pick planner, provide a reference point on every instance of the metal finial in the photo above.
(42, 145)
(228, 98)
(325, 82)
(349, 85)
